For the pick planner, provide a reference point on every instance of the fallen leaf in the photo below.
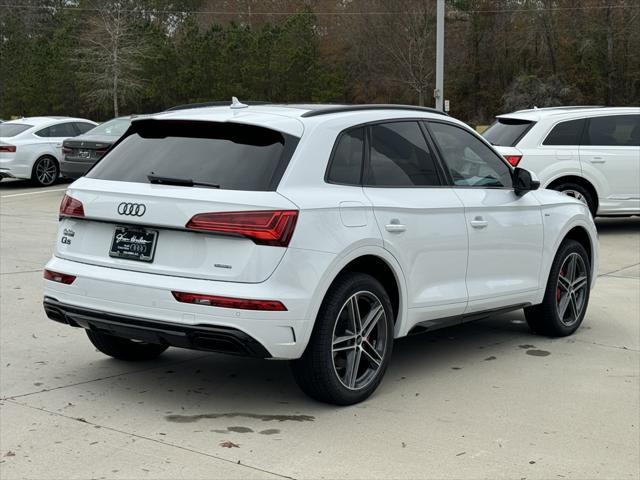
(10, 454)
(229, 444)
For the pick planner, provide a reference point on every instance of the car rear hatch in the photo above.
(153, 203)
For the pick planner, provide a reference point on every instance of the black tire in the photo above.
(316, 372)
(45, 171)
(125, 349)
(545, 319)
(569, 188)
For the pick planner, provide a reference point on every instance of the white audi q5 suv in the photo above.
(313, 233)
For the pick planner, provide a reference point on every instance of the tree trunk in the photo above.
(116, 66)
(548, 35)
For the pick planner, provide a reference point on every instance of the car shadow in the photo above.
(618, 224)
(212, 383)
(10, 184)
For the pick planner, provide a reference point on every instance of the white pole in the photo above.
(439, 92)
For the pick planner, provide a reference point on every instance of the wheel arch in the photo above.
(583, 182)
(374, 261)
(380, 270)
(580, 235)
(584, 232)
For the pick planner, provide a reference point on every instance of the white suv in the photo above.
(312, 233)
(591, 153)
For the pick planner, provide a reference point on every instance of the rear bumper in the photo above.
(145, 296)
(15, 172)
(73, 170)
(196, 337)
(13, 165)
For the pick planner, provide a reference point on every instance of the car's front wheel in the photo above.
(123, 348)
(567, 294)
(45, 171)
(351, 343)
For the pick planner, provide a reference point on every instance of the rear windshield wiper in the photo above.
(183, 182)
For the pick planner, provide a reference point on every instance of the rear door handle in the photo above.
(395, 228)
(479, 222)
(598, 160)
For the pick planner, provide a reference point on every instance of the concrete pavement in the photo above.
(482, 400)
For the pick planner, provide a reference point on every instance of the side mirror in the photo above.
(524, 181)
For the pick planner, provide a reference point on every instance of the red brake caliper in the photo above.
(558, 291)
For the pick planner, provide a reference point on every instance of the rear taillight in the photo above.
(7, 148)
(513, 159)
(100, 153)
(229, 302)
(70, 207)
(59, 277)
(268, 227)
(67, 150)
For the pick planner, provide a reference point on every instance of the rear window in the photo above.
(13, 129)
(114, 128)
(231, 155)
(507, 132)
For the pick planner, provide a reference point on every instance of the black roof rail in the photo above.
(372, 106)
(221, 103)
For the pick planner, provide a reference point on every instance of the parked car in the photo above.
(31, 148)
(317, 234)
(82, 152)
(590, 153)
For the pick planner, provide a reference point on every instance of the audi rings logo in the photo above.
(132, 209)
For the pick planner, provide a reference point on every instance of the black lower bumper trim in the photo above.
(197, 337)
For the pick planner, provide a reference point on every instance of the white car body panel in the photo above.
(443, 266)
(425, 230)
(613, 171)
(180, 253)
(505, 246)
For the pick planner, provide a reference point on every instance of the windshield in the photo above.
(8, 129)
(507, 132)
(232, 156)
(112, 128)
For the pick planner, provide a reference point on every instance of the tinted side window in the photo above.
(469, 160)
(565, 133)
(400, 157)
(615, 130)
(83, 127)
(60, 130)
(346, 163)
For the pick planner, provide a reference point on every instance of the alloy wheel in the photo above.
(46, 171)
(359, 340)
(571, 289)
(575, 194)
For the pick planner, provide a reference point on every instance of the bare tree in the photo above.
(398, 45)
(110, 54)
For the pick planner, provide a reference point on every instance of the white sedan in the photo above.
(31, 148)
